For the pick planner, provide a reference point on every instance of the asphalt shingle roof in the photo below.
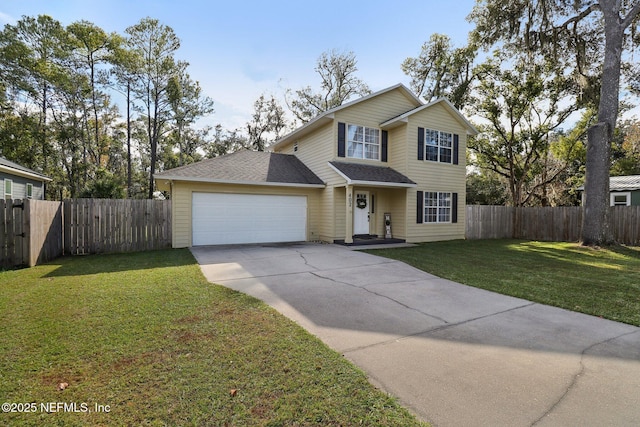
(371, 173)
(11, 165)
(247, 167)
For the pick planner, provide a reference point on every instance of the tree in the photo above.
(124, 71)
(33, 52)
(570, 32)
(443, 71)
(521, 106)
(225, 142)
(188, 105)
(626, 149)
(93, 48)
(338, 85)
(486, 189)
(268, 119)
(154, 45)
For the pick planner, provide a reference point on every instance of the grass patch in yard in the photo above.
(148, 336)
(600, 282)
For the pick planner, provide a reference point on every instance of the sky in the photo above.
(238, 50)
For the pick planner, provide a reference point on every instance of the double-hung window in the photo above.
(8, 188)
(437, 206)
(363, 142)
(438, 146)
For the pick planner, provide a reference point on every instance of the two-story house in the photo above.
(384, 159)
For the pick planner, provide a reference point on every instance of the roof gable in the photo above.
(457, 115)
(329, 115)
(247, 167)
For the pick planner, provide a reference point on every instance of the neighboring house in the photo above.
(334, 179)
(19, 182)
(623, 190)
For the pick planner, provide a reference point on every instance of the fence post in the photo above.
(26, 232)
(4, 252)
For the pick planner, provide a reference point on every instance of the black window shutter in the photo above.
(454, 208)
(420, 143)
(420, 210)
(456, 141)
(385, 138)
(342, 136)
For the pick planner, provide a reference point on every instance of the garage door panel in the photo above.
(219, 218)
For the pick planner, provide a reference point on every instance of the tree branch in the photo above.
(631, 15)
(580, 16)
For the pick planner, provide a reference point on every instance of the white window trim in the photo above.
(4, 188)
(627, 194)
(438, 207)
(426, 144)
(364, 144)
(29, 189)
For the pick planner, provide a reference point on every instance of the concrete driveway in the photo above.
(454, 355)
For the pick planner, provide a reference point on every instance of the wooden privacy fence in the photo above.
(560, 224)
(12, 247)
(93, 226)
(36, 231)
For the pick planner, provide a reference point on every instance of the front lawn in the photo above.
(600, 282)
(143, 339)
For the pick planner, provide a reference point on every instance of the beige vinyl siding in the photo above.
(182, 196)
(398, 149)
(315, 150)
(377, 110)
(339, 214)
(435, 176)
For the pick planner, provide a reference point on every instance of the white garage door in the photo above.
(220, 219)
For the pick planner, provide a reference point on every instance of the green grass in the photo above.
(600, 282)
(146, 335)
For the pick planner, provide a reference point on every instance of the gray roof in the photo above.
(21, 170)
(247, 167)
(620, 183)
(359, 173)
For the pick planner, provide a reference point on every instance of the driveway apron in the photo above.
(453, 354)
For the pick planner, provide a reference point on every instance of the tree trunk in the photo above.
(595, 218)
(128, 139)
(595, 223)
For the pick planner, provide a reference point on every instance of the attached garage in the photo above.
(220, 218)
(243, 198)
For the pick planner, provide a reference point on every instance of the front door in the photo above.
(361, 213)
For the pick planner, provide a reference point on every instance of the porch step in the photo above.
(368, 239)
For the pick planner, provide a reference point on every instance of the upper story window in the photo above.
(438, 146)
(363, 142)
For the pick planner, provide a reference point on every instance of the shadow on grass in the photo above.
(113, 263)
(613, 257)
(597, 281)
